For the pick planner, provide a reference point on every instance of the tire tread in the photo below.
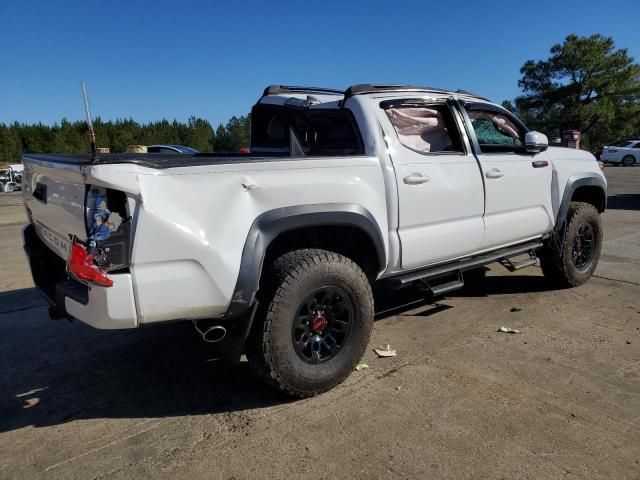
(553, 260)
(283, 275)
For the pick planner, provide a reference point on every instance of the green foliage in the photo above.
(586, 84)
(71, 137)
(233, 136)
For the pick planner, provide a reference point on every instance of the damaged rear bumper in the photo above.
(114, 307)
(100, 307)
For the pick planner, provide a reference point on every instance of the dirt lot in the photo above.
(560, 400)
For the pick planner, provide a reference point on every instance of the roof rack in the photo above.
(471, 94)
(364, 88)
(275, 89)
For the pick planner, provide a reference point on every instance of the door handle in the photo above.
(494, 173)
(415, 179)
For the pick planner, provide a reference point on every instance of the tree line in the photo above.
(586, 84)
(71, 137)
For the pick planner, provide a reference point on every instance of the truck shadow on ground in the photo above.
(479, 284)
(624, 201)
(54, 372)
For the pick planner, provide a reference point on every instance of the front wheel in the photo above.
(629, 161)
(316, 321)
(570, 258)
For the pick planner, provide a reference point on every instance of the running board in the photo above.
(405, 279)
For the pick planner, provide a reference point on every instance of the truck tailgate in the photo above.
(54, 195)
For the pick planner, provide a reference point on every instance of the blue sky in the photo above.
(153, 60)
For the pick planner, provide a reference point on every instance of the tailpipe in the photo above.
(210, 333)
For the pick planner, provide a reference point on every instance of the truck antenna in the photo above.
(87, 111)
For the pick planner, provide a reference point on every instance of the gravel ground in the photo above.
(559, 400)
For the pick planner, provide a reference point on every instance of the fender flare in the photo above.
(267, 226)
(576, 181)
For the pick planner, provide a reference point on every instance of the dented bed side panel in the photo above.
(191, 223)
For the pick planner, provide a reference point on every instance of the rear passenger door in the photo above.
(517, 183)
(441, 197)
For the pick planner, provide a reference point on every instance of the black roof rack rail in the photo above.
(275, 89)
(363, 88)
(471, 94)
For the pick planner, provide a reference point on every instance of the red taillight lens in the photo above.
(82, 266)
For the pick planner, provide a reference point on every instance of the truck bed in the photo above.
(159, 160)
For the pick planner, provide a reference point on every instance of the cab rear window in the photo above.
(321, 132)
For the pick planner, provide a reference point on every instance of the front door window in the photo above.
(496, 132)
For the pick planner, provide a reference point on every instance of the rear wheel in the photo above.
(628, 160)
(570, 258)
(316, 320)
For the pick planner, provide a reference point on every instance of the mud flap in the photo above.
(231, 347)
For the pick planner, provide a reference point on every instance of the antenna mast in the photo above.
(87, 111)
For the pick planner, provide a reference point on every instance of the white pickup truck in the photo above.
(274, 253)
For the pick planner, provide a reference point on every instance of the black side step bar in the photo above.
(462, 265)
(513, 265)
(449, 285)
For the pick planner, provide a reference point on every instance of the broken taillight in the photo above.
(82, 266)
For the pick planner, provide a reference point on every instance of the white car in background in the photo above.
(626, 153)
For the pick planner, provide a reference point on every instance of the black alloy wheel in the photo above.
(583, 242)
(322, 325)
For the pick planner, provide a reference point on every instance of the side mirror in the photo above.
(535, 142)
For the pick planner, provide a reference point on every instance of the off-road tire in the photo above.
(270, 346)
(629, 161)
(556, 258)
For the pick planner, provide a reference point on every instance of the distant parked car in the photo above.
(171, 149)
(626, 152)
(11, 178)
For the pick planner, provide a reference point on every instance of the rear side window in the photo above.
(495, 131)
(424, 128)
(623, 144)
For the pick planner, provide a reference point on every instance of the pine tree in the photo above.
(586, 84)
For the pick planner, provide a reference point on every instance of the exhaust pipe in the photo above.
(210, 333)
